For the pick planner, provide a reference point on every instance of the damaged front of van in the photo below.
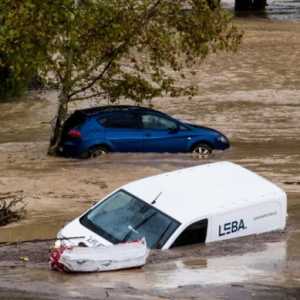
(120, 218)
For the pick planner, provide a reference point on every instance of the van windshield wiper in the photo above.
(145, 220)
(134, 229)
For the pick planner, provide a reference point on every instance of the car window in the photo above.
(193, 234)
(183, 127)
(123, 217)
(119, 120)
(151, 121)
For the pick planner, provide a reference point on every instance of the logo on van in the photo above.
(231, 227)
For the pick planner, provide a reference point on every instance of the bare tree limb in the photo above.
(88, 96)
(12, 207)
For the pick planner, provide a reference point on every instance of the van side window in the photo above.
(193, 234)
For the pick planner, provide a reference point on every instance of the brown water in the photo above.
(252, 96)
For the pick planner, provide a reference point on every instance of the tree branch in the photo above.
(87, 97)
(94, 80)
(146, 17)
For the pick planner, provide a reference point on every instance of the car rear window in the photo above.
(74, 121)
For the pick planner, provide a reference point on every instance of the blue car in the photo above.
(95, 131)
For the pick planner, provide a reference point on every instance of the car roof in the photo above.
(198, 192)
(111, 108)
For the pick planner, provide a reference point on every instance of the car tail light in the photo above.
(74, 133)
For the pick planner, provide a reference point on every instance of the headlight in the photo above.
(57, 244)
(222, 139)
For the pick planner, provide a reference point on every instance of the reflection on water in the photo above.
(265, 265)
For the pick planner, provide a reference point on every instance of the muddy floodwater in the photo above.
(253, 97)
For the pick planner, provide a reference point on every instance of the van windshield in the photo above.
(123, 217)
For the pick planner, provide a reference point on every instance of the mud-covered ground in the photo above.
(253, 97)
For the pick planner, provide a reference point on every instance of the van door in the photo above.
(193, 234)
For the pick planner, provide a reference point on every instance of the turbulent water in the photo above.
(276, 9)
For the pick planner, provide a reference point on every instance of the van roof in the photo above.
(197, 192)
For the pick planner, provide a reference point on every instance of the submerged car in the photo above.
(201, 204)
(95, 131)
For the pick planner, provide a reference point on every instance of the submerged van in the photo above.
(201, 204)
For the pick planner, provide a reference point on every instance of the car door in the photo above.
(122, 131)
(163, 134)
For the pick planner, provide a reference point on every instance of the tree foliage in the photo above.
(112, 49)
(13, 85)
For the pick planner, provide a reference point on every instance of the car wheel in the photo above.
(95, 152)
(98, 151)
(201, 150)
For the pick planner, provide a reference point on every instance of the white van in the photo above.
(201, 204)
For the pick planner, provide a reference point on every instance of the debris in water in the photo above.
(99, 259)
(292, 182)
(12, 207)
(24, 258)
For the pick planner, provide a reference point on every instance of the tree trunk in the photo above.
(59, 122)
